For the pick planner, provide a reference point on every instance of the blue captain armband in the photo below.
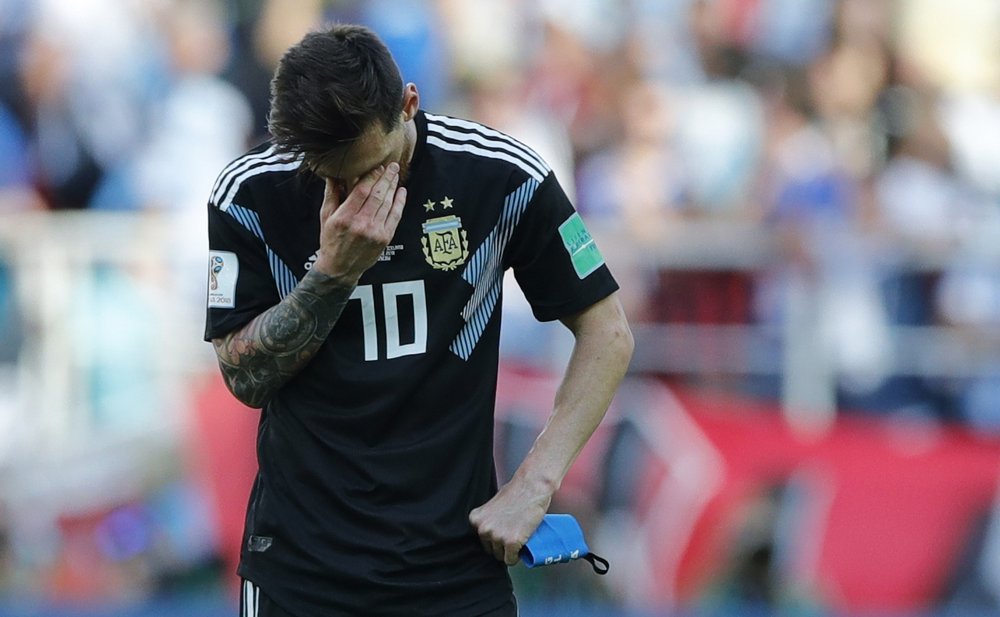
(559, 539)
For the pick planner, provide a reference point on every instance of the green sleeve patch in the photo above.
(580, 245)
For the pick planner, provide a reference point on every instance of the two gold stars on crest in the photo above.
(446, 204)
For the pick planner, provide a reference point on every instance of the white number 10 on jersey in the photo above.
(391, 292)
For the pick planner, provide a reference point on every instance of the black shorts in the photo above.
(255, 603)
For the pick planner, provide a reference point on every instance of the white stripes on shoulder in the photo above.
(459, 135)
(249, 600)
(241, 162)
(247, 166)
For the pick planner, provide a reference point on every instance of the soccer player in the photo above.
(354, 294)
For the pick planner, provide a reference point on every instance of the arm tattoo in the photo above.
(259, 358)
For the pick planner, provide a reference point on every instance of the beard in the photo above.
(406, 158)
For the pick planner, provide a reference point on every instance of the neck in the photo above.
(411, 140)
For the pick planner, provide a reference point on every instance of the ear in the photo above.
(411, 101)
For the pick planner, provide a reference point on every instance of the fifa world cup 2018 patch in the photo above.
(223, 270)
(580, 245)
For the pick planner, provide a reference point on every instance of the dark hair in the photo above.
(330, 87)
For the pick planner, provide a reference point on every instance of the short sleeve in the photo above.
(240, 283)
(555, 259)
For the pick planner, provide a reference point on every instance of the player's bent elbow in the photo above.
(615, 331)
(629, 342)
(248, 396)
(604, 326)
(251, 395)
(622, 341)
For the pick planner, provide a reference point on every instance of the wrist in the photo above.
(322, 281)
(338, 272)
(536, 480)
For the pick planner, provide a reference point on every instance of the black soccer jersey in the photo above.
(371, 459)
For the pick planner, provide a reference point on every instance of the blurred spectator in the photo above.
(792, 31)
(66, 165)
(16, 190)
(919, 206)
(479, 35)
(822, 292)
(919, 198)
(261, 31)
(577, 84)
(720, 118)
(637, 187)
(198, 122)
(640, 183)
(410, 30)
(83, 74)
(967, 299)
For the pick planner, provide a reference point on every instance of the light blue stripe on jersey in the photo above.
(452, 224)
(283, 277)
(248, 218)
(485, 271)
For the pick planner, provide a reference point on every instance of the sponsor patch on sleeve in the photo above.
(223, 270)
(580, 245)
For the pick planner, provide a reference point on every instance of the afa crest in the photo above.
(445, 243)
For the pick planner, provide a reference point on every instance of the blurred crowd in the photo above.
(860, 137)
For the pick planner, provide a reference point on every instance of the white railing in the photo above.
(99, 396)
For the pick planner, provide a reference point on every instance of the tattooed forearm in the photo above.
(262, 356)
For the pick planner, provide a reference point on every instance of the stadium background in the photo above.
(801, 199)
